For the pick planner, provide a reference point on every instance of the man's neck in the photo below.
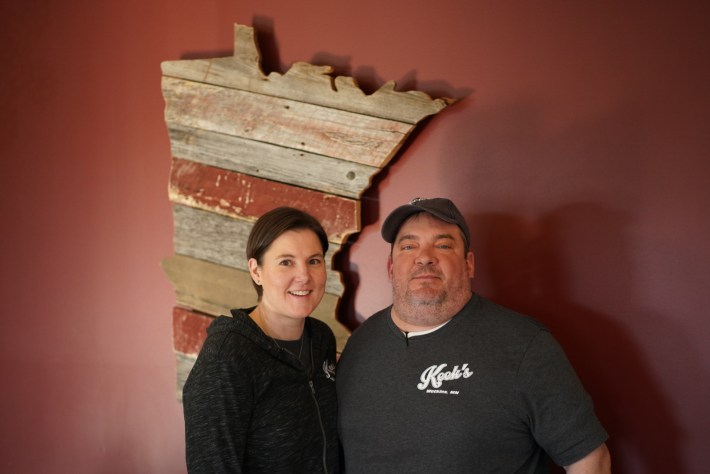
(423, 318)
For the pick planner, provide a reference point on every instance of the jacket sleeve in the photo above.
(217, 403)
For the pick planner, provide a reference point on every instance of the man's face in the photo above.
(429, 269)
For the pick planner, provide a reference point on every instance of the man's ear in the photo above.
(470, 264)
(254, 271)
(389, 266)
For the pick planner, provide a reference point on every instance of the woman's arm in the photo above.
(217, 406)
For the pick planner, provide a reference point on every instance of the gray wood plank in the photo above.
(264, 160)
(208, 236)
(325, 131)
(303, 82)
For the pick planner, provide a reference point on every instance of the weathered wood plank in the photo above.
(219, 239)
(303, 82)
(339, 134)
(183, 366)
(214, 289)
(242, 196)
(208, 287)
(189, 330)
(304, 129)
(286, 165)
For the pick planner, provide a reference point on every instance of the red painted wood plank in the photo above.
(243, 196)
(189, 330)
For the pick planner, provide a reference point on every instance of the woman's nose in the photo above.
(303, 273)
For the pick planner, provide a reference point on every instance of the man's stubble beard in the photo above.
(419, 308)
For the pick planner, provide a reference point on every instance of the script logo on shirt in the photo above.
(433, 378)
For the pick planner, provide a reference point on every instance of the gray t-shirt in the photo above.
(491, 391)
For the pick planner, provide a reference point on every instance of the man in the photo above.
(445, 381)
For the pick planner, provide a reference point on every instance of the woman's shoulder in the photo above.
(229, 336)
(321, 334)
(317, 326)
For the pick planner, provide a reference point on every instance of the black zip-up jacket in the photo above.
(252, 407)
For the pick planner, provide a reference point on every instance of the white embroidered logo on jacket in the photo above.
(435, 376)
(329, 370)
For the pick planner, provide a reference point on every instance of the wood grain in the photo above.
(246, 197)
(183, 366)
(243, 143)
(189, 330)
(219, 239)
(213, 289)
(265, 160)
(208, 287)
(291, 124)
(303, 82)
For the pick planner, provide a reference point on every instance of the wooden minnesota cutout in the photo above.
(243, 143)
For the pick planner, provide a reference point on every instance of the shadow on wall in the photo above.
(524, 265)
(557, 247)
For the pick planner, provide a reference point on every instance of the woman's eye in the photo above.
(285, 262)
(315, 261)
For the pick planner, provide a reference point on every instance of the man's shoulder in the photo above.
(377, 319)
(482, 312)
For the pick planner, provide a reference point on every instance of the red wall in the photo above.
(578, 151)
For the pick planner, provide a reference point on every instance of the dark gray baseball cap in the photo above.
(440, 208)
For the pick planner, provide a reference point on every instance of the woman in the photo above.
(261, 396)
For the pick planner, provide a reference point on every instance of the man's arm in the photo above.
(596, 462)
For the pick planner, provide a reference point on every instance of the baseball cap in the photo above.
(440, 208)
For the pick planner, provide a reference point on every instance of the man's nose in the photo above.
(425, 256)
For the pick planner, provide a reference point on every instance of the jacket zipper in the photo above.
(315, 402)
(322, 428)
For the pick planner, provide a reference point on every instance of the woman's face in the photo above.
(292, 274)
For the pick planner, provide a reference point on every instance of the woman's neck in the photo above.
(284, 329)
